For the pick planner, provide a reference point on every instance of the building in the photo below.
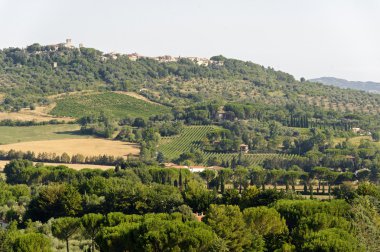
(133, 56)
(192, 168)
(244, 148)
(111, 55)
(356, 130)
(199, 61)
(199, 216)
(67, 44)
(173, 165)
(221, 113)
(166, 58)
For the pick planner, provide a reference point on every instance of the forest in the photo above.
(139, 207)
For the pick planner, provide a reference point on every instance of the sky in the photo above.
(306, 38)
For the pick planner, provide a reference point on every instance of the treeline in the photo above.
(286, 226)
(149, 209)
(63, 158)
(19, 123)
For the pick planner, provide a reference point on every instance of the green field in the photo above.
(355, 141)
(112, 104)
(34, 133)
(172, 147)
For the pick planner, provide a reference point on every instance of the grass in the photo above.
(112, 104)
(34, 133)
(355, 141)
(302, 131)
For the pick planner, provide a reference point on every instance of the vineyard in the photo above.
(252, 159)
(112, 104)
(173, 147)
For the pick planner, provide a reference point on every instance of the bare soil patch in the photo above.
(137, 96)
(86, 147)
(40, 114)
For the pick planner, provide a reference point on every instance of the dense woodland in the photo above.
(139, 207)
(295, 164)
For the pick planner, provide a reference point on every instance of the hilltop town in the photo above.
(135, 56)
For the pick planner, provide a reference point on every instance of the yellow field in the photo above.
(86, 147)
(40, 114)
(72, 166)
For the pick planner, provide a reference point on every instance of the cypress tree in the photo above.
(180, 179)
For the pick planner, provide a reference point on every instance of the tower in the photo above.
(68, 43)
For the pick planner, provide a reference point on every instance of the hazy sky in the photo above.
(310, 38)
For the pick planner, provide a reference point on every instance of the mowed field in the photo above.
(59, 139)
(33, 133)
(86, 147)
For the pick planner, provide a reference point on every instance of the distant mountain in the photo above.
(368, 86)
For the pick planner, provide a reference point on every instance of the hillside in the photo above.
(28, 76)
(369, 86)
(111, 104)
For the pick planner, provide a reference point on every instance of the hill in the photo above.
(28, 76)
(369, 86)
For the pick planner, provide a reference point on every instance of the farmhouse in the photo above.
(244, 148)
(356, 130)
(199, 216)
(133, 56)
